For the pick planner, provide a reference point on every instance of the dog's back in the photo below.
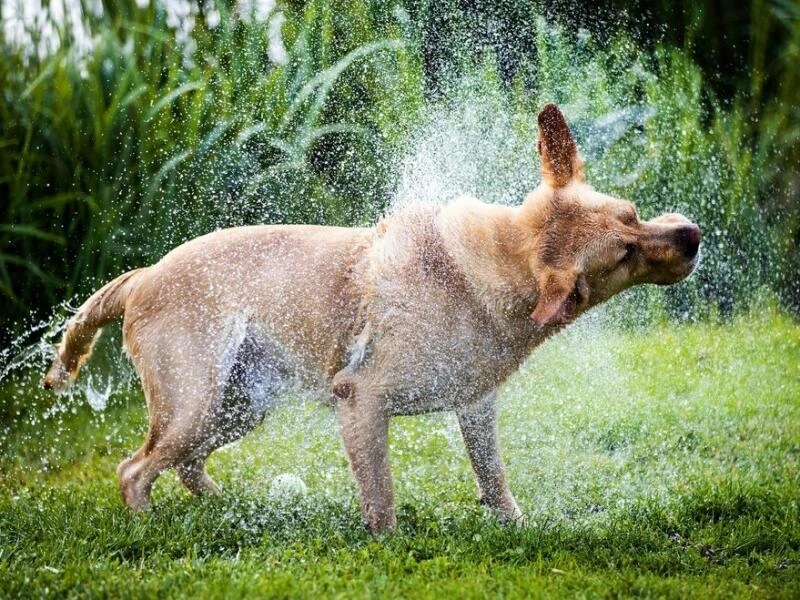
(299, 284)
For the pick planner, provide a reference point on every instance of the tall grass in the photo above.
(109, 160)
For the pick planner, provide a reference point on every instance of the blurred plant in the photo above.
(108, 161)
(38, 30)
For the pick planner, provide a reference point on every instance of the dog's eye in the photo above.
(630, 250)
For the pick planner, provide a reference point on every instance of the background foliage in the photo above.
(110, 157)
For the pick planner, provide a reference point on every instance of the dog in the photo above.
(429, 310)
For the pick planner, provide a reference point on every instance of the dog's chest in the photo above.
(433, 335)
(430, 357)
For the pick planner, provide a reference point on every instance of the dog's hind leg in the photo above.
(137, 475)
(248, 382)
(171, 439)
(179, 388)
(193, 476)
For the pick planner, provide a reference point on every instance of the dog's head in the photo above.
(588, 246)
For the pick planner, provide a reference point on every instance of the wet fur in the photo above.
(429, 310)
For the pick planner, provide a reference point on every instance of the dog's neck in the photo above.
(486, 242)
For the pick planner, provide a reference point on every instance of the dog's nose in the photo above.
(688, 239)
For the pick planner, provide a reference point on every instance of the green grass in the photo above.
(662, 462)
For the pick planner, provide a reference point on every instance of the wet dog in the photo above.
(429, 310)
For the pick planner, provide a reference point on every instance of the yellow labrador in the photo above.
(429, 310)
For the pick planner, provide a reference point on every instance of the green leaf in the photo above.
(170, 96)
(30, 231)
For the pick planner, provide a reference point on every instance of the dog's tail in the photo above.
(104, 306)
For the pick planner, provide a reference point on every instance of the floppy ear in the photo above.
(560, 162)
(558, 299)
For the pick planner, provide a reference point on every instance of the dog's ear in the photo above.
(560, 161)
(558, 298)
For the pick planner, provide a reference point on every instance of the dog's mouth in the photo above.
(679, 273)
(691, 265)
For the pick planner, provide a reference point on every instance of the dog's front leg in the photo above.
(479, 428)
(364, 423)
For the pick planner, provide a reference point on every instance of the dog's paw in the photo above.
(508, 515)
(517, 520)
(58, 377)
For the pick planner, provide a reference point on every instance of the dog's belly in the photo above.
(442, 372)
(419, 402)
(256, 375)
(448, 386)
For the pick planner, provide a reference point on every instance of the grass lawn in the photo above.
(659, 463)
